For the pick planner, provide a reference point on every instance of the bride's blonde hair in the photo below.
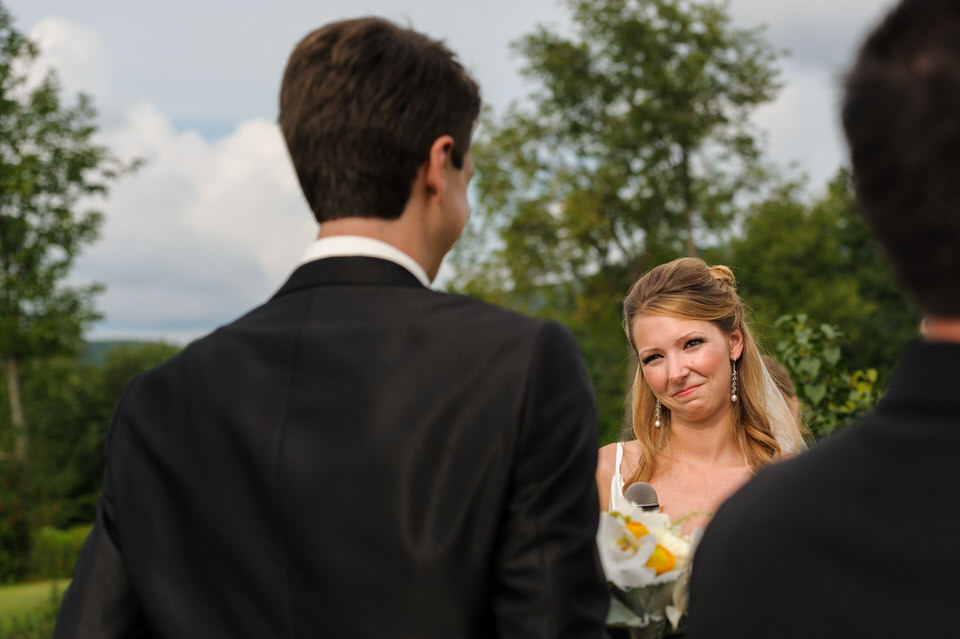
(689, 289)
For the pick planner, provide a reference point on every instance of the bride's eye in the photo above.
(649, 358)
(696, 341)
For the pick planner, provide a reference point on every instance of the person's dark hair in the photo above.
(901, 115)
(361, 103)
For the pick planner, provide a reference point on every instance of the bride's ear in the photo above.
(736, 343)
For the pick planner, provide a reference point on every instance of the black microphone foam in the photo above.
(642, 494)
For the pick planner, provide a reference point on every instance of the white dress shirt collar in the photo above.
(357, 245)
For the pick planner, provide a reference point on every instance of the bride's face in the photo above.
(686, 363)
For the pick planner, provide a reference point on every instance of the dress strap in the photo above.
(616, 482)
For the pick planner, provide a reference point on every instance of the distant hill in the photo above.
(95, 352)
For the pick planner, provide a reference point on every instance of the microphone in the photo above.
(642, 494)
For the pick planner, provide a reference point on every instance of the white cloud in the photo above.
(74, 51)
(802, 124)
(249, 196)
(201, 233)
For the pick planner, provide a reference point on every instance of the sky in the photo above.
(214, 221)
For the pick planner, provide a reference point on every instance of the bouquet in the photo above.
(647, 563)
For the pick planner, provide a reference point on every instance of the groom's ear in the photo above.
(438, 160)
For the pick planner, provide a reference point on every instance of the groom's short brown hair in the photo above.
(361, 102)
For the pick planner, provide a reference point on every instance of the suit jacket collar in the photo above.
(348, 271)
(927, 372)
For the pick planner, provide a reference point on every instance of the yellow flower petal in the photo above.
(662, 560)
(638, 529)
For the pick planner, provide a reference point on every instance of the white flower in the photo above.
(622, 555)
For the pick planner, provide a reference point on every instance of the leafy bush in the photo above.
(831, 395)
(55, 552)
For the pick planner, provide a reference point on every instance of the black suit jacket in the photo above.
(859, 537)
(358, 457)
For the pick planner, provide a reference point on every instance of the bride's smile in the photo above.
(687, 391)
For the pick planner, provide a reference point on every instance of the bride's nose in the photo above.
(677, 369)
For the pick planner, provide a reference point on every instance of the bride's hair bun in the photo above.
(724, 277)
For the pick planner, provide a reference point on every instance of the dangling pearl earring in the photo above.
(733, 381)
(657, 423)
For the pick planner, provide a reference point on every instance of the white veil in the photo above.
(784, 427)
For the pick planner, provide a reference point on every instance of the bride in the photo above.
(706, 413)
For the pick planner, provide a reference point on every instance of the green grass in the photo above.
(24, 597)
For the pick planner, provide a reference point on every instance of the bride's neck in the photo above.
(704, 443)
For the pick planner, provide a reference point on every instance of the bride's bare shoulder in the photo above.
(606, 460)
(607, 457)
(610, 450)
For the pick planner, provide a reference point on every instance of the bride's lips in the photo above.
(686, 391)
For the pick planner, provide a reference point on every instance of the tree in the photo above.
(817, 257)
(68, 403)
(69, 407)
(636, 148)
(639, 139)
(50, 165)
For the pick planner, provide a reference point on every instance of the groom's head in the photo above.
(901, 114)
(361, 103)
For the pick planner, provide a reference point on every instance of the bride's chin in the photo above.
(695, 414)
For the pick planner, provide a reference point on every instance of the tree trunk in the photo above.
(11, 370)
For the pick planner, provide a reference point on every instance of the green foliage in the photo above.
(818, 258)
(14, 529)
(69, 405)
(67, 416)
(594, 317)
(638, 142)
(47, 164)
(126, 361)
(832, 396)
(54, 552)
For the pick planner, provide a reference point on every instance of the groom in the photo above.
(360, 456)
(859, 536)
